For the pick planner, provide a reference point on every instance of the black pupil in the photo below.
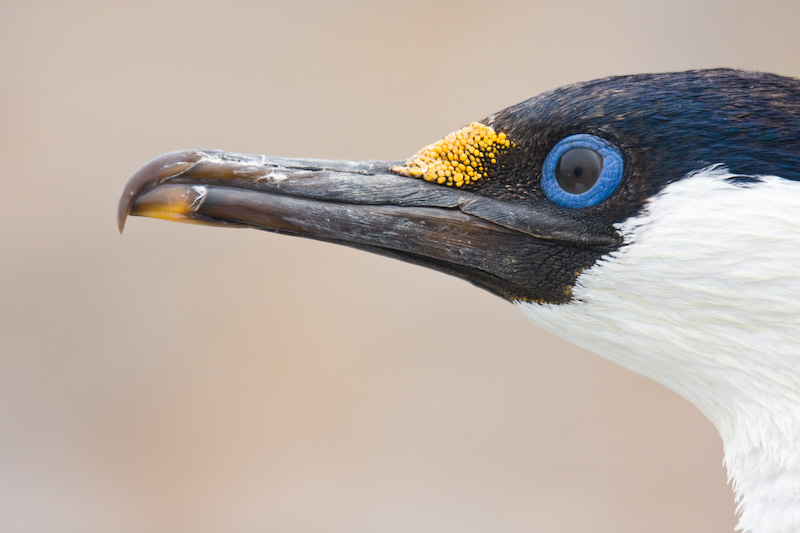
(578, 170)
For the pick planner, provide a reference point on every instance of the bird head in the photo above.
(519, 203)
(653, 219)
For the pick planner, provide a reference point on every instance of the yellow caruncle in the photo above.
(459, 159)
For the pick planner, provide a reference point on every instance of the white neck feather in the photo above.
(705, 299)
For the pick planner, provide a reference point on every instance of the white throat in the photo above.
(704, 297)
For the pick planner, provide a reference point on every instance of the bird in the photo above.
(653, 219)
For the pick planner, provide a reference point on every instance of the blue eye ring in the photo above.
(610, 175)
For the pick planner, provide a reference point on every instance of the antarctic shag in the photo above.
(653, 219)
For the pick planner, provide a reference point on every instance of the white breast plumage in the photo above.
(704, 297)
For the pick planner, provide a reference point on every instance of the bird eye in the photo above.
(581, 171)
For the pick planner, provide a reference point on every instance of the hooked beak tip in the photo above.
(152, 174)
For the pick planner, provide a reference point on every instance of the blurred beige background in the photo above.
(185, 378)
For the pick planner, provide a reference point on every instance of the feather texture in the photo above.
(704, 297)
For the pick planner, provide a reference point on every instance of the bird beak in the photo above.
(363, 204)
